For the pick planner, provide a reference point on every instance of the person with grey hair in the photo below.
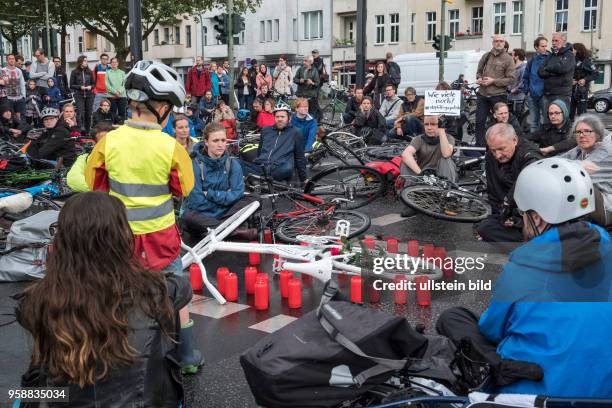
(594, 153)
(557, 72)
(506, 157)
(307, 80)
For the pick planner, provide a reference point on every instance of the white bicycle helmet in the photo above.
(281, 106)
(151, 80)
(49, 112)
(179, 109)
(557, 189)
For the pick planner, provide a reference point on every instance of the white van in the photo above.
(420, 70)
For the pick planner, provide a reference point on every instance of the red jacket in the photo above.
(198, 86)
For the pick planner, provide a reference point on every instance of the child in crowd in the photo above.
(53, 96)
(33, 104)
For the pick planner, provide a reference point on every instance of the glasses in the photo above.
(555, 113)
(584, 132)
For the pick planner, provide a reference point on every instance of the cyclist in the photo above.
(369, 123)
(302, 120)
(552, 303)
(553, 138)
(144, 168)
(219, 186)
(281, 149)
(55, 141)
(502, 114)
(506, 157)
(11, 128)
(431, 150)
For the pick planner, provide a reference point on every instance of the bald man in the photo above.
(506, 157)
(494, 74)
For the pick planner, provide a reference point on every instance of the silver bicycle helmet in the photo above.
(151, 80)
(282, 106)
(49, 112)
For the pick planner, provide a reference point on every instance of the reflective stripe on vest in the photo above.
(139, 162)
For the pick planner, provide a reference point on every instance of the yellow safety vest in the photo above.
(138, 162)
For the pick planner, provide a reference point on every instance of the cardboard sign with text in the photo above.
(443, 103)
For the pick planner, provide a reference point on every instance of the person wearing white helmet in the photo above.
(55, 142)
(551, 305)
(144, 168)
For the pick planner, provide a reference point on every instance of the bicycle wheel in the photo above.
(445, 204)
(318, 223)
(344, 146)
(349, 186)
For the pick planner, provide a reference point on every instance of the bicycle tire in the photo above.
(368, 184)
(288, 229)
(341, 149)
(436, 197)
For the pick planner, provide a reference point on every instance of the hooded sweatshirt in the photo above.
(550, 135)
(552, 305)
(222, 190)
(308, 127)
(55, 96)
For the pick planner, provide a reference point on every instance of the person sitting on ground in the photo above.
(76, 175)
(251, 123)
(594, 153)
(222, 112)
(431, 150)
(69, 120)
(280, 151)
(265, 93)
(104, 114)
(302, 120)
(180, 123)
(390, 107)
(101, 324)
(197, 123)
(219, 186)
(266, 116)
(208, 104)
(553, 138)
(410, 119)
(452, 124)
(55, 142)
(12, 129)
(352, 106)
(53, 95)
(369, 123)
(502, 114)
(506, 156)
(552, 303)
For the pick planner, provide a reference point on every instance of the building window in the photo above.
(394, 24)
(313, 25)
(412, 26)
(145, 44)
(477, 13)
(453, 22)
(431, 25)
(561, 15)
(156, 37)
(380, 29)
(276, 31)
(295, 30)
(188, 36)
(205, 34)
(177, 34)
(517, 17)
(166, 35)
(349, 29)
(590, 15)
(262, 31)
(499, 18)
(68, 43)
(269, 30)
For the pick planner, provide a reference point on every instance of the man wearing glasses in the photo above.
(494, 74)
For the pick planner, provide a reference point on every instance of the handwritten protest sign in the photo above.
(443, 103)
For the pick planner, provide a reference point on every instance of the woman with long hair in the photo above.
(82, 82)
(584, 73)
(376, 87)
(101, 324)
(244, 89)
(263, 78)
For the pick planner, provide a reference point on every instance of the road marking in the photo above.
(209, 307)
(387, 220)
(274, 323)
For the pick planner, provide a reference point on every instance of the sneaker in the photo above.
(408, 212)
(193, 367)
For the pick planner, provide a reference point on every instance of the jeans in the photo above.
(245, 101)
(484, 107)
(313, 108)
(118, 107)
(281, 172)
(84, 102)
(348, 117)
(390, 123)
(534, 103)
(175, 267)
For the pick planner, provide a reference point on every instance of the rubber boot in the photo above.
(191, 359)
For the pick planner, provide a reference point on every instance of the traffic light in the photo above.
(436, 44)
(238, 24)
(221, 28)
(447, 43)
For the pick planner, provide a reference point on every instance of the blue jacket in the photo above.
(532, 82)
(308, 127)
(56, 96)
(282, 151)
(169, 128)
(552, 306)
(222, 192)
(224, 89)
(214, 79)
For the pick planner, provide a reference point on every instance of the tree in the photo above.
(20, 25)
